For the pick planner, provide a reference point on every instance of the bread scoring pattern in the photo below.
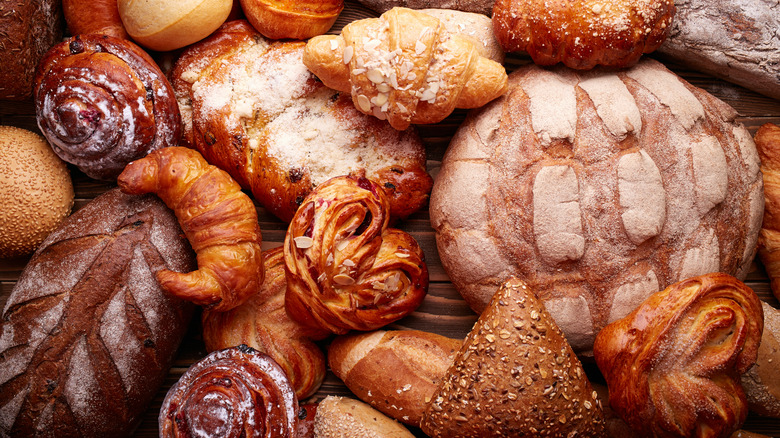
(599, 188)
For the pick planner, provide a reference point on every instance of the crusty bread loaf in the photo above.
(735, 40)
(339, 417)
(27, 30)
(87, 333)
(598, 188)
(396, 372)
(761, 382)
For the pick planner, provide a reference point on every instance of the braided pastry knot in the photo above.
(405, 67)
(673, 365)
(219, 220)
(346, 270)
(231, 393)
(102, 102)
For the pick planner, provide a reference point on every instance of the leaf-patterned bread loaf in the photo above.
(262, 323)
(88, 335)
(219, 220)
(405, 67)
(346, 270)
(673, 365)
(598, 188)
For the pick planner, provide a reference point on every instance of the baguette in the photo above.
(396, 372)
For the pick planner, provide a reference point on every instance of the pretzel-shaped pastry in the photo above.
(219, 220)
(405, 67)
(673, 365)
(346, 270)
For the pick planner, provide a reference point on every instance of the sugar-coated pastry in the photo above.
(346, 270)
(673, 365)
(219, 220)
(102, 102)
(583, 34)
(232, 393)
(405, 67)
(263, 324)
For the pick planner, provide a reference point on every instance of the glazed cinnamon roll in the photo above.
(346, 270)
(237, 392)
(673, 365)
(102, 102)
(263, 324)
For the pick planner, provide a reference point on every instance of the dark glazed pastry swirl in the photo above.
(673, 365)
(345, 269)
(102, 102)
(236, 392)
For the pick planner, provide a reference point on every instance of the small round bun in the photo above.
(168, 25)
(36, 192)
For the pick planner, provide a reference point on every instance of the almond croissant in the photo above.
(768, 146)
(673, 365)
(346, 270)
(219, 220)
(405, 67)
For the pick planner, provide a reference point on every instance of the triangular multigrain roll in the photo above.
(515, 376)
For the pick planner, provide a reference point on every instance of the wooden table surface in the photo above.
(443, 310)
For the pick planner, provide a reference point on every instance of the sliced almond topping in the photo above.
(420, 47)
(428, 95)
(380, 99)
(348, 263)
(383, 87)
(322, 277)
(348, 52)
(364, 103)
(334, 44)
(342, 244)
(401, 107)
(343, 279)
(303, 242)
(375, 75)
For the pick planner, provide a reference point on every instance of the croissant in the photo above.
(405, 67)
(231, 393)
(768, 144)
(263, 324)
(102, 102)
(673, 365)
(219, 220)
(346, 270)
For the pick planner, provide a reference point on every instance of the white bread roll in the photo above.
(167, 25)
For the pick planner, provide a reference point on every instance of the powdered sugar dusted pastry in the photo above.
(583, 34)
(252, 108)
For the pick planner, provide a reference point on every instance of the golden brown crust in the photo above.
(219, 220)
(613, 34)
(760, 382)
(341, 417)
(396, 372)
(768, 145)
(405, 67)
(293, 19)
(673, 365)
(263, 324)
(233, 393)
(252, 108)
(515, 376)
(88, 86)
(93, 16)
(346, 270)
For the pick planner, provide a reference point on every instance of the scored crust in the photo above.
(251, 107)
(598, 189)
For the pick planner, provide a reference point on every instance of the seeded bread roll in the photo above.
(251, 107)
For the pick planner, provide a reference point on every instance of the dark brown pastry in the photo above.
(219, 220)
(88, 335)
(93, 16)
(673, 365)
(252, 108)
(515, 376)
(263, 324)
(346, 270)
(583, 34)
(231, 393)
(102, 102)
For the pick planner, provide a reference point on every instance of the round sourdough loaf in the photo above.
(598, 189)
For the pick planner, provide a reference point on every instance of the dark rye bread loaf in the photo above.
(87, 335)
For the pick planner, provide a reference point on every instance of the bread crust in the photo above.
(93, 16)
(293, 19)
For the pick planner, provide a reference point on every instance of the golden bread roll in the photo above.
(396, 372)
(339, 417)
(673, 365)
(293, 19)
(405, 67)
(515, 376)
(36, 193)
(167, 25)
